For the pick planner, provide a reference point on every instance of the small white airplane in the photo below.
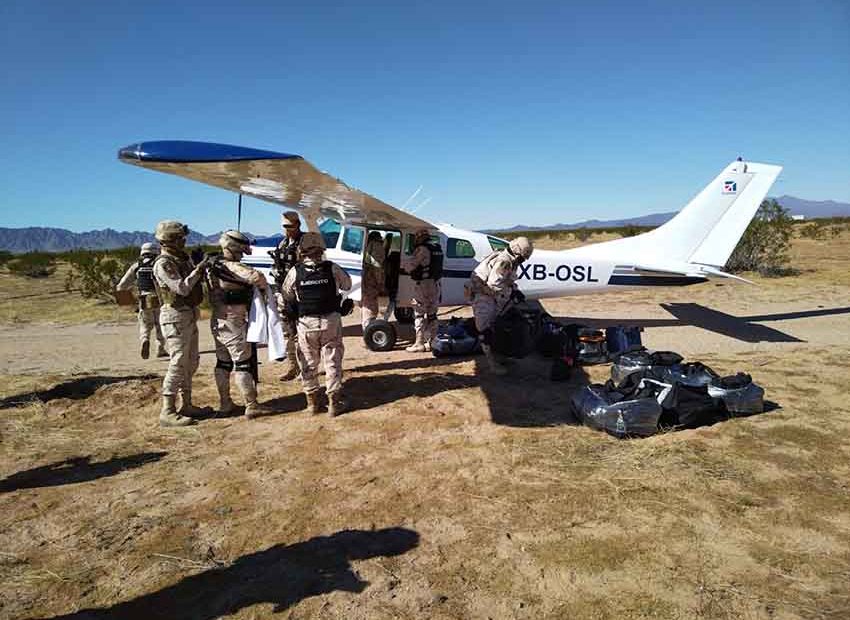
(691, 248)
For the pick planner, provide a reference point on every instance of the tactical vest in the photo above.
(144, 274)
(225, 287)
(178, 302)
(434, 269)
(316, 288)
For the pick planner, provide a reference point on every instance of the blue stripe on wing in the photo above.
(185, 151)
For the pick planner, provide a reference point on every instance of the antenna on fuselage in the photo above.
(412, 196)
(239, 214)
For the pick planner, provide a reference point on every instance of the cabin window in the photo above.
(459, 248)
(408, 242)
(496, 243)
(330, 232)
(352, 240)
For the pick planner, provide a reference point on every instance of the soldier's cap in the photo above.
(169, 230)
(235, 240)
(149, 248)
(290, 219)
(312, 243)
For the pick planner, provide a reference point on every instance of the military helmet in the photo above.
(170, 230)
(312, 243)
(421, 234)
(290, 219)
(235, 241)
(521, 247)
(149, 248)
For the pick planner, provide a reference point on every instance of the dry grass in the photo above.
(532, 517)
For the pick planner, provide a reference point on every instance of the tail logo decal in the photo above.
(730, 187)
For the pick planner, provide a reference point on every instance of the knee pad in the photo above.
(243, 366)
(224, 365)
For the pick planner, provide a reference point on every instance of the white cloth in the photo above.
(264, 325)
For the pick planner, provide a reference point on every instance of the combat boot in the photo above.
(291, 372)
(495, 367)
(255, 410)
(189, 410)
(314, 404)
(336, 404)
(222, 383)
(419, 345)
(169, 416)
(145, 350)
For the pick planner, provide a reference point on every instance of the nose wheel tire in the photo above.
(380, 335)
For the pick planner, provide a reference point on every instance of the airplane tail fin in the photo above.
(707, 230)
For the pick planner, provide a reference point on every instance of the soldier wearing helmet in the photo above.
(178, 285)
(313, 287)
(231, 290)
(285, 257)
(425, 266)
(140, 274)
(492, 287)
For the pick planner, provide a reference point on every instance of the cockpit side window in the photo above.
(496, 243)
(352, 239)
(459, 248)
(330, 230)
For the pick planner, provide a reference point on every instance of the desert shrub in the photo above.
(5, 257)
(630, 230)
(814, 230)
(33, 265)
(582, 234)
(765, 244)
(95, 273)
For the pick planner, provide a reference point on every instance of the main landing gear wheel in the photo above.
(404, 315)
(380, 335)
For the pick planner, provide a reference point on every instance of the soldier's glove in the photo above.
(517, 296)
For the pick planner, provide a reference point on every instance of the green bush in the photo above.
(765, 244)
(96, 273)
(32, 265)
(5, 257)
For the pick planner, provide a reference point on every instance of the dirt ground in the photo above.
(446, 493)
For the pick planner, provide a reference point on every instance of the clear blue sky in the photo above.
(507, 112)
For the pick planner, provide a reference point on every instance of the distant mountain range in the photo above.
(797, 206)
(19, 240)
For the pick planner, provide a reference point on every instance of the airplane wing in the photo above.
(281, 178)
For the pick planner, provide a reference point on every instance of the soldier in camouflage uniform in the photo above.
(285, 258)
(425, 267)
(140, 273)
(314, 286)
(372, 279)
(231, 289)
(492, 286)
(179, 288)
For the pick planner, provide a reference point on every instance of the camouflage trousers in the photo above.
(180, 330)
(370, 291)
(230, 333)
(149, 321)
(318, 337)
(486, 309)
(426, 301)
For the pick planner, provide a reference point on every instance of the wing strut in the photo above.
(239, 214)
